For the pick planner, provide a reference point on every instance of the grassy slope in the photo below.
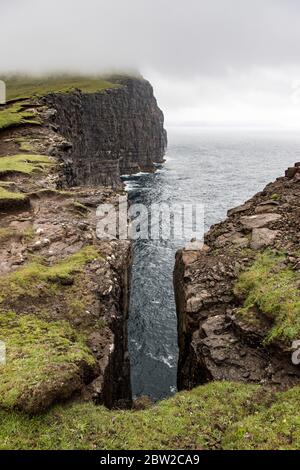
(36, 277)
(8, 195)
(14, 116)
(276, 427)
(217, 415)
(41, 353)
(19, 87)
(23, 163)
(273, 287)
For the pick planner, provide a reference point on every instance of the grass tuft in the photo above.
(272, 287)
(24, 144)
(196, 419)
(275, 427)
(36, 278)
(9, 195)
(14, 116)
(23, 163)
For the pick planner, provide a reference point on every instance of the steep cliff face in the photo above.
(65, 292)
(113, 132)
(238, 299)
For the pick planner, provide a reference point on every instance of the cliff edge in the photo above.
(238, 299)
(116, 131)
(64, 293)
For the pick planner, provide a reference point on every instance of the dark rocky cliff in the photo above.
(64, 291)
(238, 299)
(112, 132)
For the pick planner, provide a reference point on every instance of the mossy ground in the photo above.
(214, 416)
(275, 427)
(20, 87)
(37, 278)
(273, 287)
(36, 352)
(23, 163)
(45, 354)
(6, 195)
(14, 116)
(24, 144)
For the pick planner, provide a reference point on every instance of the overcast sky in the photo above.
(210, 61)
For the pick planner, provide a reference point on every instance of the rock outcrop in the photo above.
(222, 333)
(64, 292)
(113, 132)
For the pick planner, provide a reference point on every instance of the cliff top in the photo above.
(22, 87)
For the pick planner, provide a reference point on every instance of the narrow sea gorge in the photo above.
(219, 168)
(149, 229)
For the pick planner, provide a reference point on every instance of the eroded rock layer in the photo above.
(238, 299)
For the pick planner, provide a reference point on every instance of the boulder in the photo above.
(260, 220)
(262, 237)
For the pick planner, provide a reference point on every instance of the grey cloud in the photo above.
(209, 57)
(171, 36)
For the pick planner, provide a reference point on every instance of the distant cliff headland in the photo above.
(64, 142)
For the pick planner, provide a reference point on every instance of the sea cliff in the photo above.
(113, 132)
(238, 302)
(64, 143)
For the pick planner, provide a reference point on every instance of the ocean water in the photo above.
(219, 168)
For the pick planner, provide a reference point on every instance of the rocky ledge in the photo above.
(64, 293)
(238, 298)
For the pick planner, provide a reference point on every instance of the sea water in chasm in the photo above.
(219, 168)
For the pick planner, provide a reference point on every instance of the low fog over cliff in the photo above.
(210, 62)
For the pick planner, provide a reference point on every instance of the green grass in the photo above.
(8, 195)
(20, 87)
(24, 144)
(272, 287)
(276, 427)
(46, 359)
(35, 278)
(23, 163)
(197, 419)
(40, 357)
(219, 415)
(14, 116)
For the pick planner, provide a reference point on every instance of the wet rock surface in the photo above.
(215, 341)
